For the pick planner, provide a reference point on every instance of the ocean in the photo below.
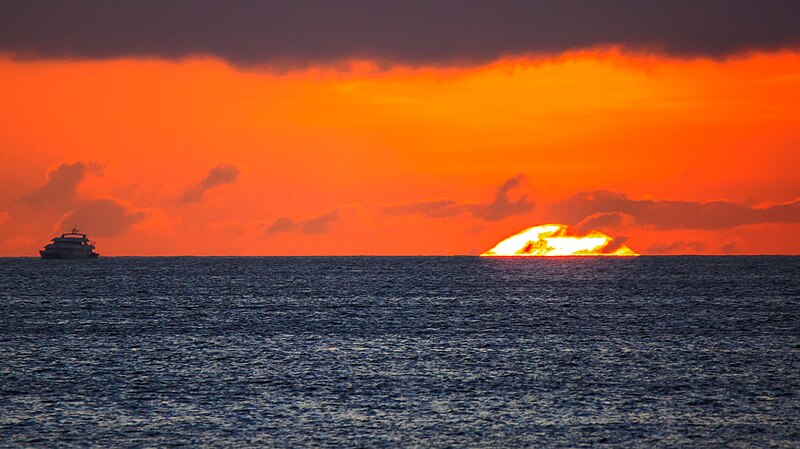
(400, 352)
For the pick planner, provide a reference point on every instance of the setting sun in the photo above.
(557, 240)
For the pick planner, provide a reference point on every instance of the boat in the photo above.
(72, 245)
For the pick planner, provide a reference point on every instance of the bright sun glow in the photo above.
(554, 240)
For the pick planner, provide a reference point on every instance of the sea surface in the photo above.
(400, 352)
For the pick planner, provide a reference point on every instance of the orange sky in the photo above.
(349, 158)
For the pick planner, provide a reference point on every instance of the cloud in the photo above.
(103, 217)
(414, 31)
(674, 214)
(58, 202)
(615, 244)
(677, 247)
(313, 226)
(61, 184)
(501, 207)
(219, 175)
(603, 220)
(319, 225)
(283, 224)
(430, 209)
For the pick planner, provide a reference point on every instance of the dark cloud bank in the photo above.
(411, 31)
(603, 208)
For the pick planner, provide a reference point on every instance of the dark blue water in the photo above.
(399, 352)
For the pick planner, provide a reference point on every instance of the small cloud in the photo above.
(59, 205)
(219, 175)
(283, 224)
(728, 248)
(430, 209)
(501, 207)
(615, 244)
(313, 226)
(103, 217)
(677, 247)
(603, 220)
(61, 184)
(319, 225)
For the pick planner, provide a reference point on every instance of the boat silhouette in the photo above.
(71, 245)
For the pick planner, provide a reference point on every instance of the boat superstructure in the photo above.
(72, 245)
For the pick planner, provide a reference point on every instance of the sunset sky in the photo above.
(421, 127)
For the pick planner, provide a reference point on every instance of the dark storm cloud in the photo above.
(674, 214)
(219, 175)
(414, 31)
(501, 207)
(317, 225)
(106, 217)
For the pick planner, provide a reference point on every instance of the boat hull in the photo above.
(65, 255)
